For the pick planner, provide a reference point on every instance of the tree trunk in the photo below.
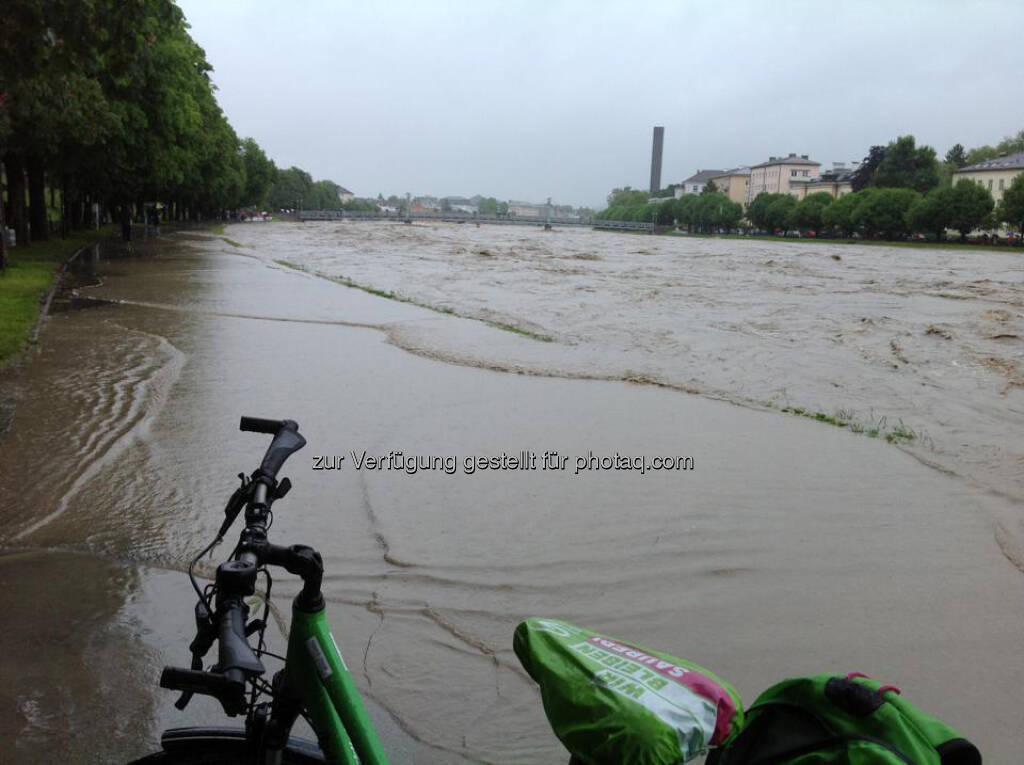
(3, 227)
(16, 195)
(75, 208)
(37, 200)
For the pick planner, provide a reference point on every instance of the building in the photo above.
(996, 174)
(345, 195)
(526, 210)
(695, 183)
(422, 205)
(459, 205)
(733, 183)
(838, 181)
(781, 175)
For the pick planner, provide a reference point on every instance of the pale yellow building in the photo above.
(838, 182)
(781, 175)
(695, 183)
(996, 175)
(733, 183)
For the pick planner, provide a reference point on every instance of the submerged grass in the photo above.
(389, 295)
(232, 242)
(844, 418)
(29, 273)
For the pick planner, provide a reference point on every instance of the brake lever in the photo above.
(186, 696)
(206, 633)
(235, 504)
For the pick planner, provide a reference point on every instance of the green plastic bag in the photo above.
(612, 702)
(835, 720)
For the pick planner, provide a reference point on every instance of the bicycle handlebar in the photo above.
(236, 579)
(287, 441)
(261, 425)
(228, 689)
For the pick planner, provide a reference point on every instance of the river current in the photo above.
(788, 546)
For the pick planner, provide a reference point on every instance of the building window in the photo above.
(792, 173)
(1000, 184)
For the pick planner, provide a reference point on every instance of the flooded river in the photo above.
(790, 547)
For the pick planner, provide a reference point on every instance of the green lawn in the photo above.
(29, 272)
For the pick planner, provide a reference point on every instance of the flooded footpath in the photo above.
(790, 547)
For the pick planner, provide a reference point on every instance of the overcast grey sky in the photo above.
(525, 100)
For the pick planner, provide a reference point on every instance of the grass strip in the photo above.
(389, 295)
(30, 271)
(845, 419)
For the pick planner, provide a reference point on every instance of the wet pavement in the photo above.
(790, 548)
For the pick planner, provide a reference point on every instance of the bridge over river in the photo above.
(619, 225)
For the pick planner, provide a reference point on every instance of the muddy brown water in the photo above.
(791, 547)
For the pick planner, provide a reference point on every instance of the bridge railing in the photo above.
(321, 214)
(614, 225)
(624, 225)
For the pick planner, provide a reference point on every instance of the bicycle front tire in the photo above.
(222, 746)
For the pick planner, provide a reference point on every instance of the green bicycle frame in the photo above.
(316, 673)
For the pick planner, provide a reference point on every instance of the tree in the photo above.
(725, 214)
(1011, 144)
(956, 156)
(324, 196)
(710, 188)
(260, 173)
(686, 211)
(839, 214)
(907, 166)
(666, 212)
(759, 214)
(932, 214)
(627, 196)
(861, 177)
(715, 212)
(981, 154)
(971, 204)
(291, 189)
(807, 215)
(779, 212)
(884, 211)
(1011, 208)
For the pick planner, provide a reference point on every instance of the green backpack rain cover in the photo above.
(828, 720)
(611, 702)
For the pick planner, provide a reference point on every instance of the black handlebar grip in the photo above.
(190, 680)
(228, 688)
(234, 651)
(286, 442)
(261, 425)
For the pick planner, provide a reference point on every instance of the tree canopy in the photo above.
(907, 166)
(111, 101)
(970, 207)
(883, 211)
(808, 212)
(1011, 207)
(626, 197)
(932, 214)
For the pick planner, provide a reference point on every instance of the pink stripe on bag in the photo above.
(686, 676)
